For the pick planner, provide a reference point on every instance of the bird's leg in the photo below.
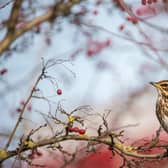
(155, 140)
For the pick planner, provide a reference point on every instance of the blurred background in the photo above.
(104, 59)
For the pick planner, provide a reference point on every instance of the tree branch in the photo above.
(14, 15)
(61, 9)
(117, 146)
(22, 111)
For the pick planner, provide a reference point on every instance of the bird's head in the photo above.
(161, 86)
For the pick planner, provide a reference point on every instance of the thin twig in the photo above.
(22, 112)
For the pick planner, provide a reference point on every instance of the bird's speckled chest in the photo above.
(162, 111)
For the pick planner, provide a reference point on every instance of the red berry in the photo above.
(3, 71)
(18, 110)
(139, 12)
(82, 131)
(107, 42)
(134, 20)
(31, 156)
(95, 12)
(76, 129)
(59, 91)
(110, 148)
(121, 27)
(22, 102)
(128, 18)
(29, 108)
(143, 2)
(39, 153)
(70, 129)
(90, 52)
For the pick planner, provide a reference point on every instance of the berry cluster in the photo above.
(77, 130)
(144, 2)
(134, 20)
(22, 103)
(95, 47)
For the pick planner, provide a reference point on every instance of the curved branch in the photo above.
(116, 145)
(62, 9)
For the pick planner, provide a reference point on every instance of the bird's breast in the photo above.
(162, 112)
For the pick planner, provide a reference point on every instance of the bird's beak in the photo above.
(154, 84)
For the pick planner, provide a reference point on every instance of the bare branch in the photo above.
(22, 111)
(117, 146)
(61, 10)
(13, 17)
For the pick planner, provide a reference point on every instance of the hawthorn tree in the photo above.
(40, 42)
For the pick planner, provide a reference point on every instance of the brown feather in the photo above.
(162, 103)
